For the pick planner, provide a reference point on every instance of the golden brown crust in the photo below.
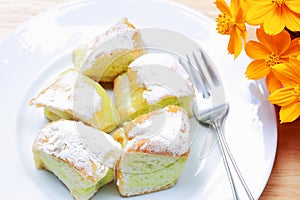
(122, 136)
(161, 153)
(128, 23)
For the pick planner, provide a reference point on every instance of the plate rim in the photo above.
(167, 2)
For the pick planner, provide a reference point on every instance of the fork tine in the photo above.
(191, 70)
(200, 76)
(201, 67)
(210, 67)
(190, 73)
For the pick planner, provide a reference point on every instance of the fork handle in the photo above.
(227, 153)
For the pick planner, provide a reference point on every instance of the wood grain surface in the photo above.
(284, 182)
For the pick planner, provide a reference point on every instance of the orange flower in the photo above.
(269, 51)
(289, 96)
(232, 22)
(274, 14)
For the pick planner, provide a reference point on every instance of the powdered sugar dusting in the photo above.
(161, 75)
(118, 37)
(71, 92)
(66, 140)
(165, 131)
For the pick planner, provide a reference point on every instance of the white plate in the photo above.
(40, 47)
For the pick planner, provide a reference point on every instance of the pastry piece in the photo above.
(156, 147)
(153, 81)
(82, 157)
(109, 54)
(74, 96)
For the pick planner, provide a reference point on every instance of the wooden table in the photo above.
(284, 182)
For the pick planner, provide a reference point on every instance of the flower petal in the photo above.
(294, 65)
(274, 22)
(285, 74)
(282, 96)
(235, 4)
(282, 42)
(292, 21)
(243, 31)
(257, 11)
(263, 38)
(223, 7)
(274, 42)
(240, 16)
(256, 50)
(257, 69)
(272, 82)
(288, 72)
(289, 113)
(294, 5)
(235, 42)
(294, 49)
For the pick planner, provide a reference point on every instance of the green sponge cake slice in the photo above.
(82, 157)
(153, 81)
(109, 54)
(74, 96)
(156, 147)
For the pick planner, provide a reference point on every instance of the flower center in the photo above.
(272, 60)
(224, 24)
(279, 3)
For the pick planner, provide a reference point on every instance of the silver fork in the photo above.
(210, 107)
